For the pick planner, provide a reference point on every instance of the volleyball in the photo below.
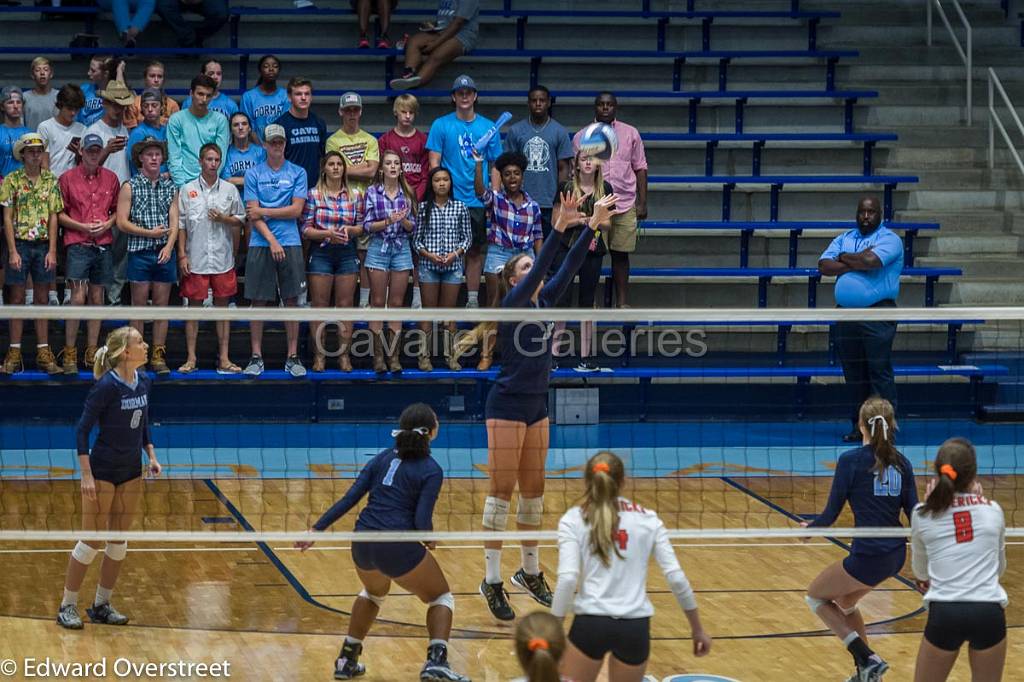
(599, 140)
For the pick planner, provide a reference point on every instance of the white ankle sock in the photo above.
(69, 599)
(472, 297)
(102, 595)
(492, 562)
(531, 560)
(364, 297)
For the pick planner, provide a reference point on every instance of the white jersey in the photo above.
(962, 551)
(620, 589)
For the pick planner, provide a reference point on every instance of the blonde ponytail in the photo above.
(107, 355)
(540, 643)
(603, 478)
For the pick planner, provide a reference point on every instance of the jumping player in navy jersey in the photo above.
(112, 471)
(403, 483)
(516, 409)
(877, 481)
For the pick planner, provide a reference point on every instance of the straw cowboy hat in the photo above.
(26, 141)
(118, 93)
(143, 145)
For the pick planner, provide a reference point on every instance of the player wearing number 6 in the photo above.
(604, 546)
(877, 481)
(959, 544)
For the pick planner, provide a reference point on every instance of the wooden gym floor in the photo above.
(275, 614)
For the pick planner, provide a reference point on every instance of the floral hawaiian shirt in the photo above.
(33, 203)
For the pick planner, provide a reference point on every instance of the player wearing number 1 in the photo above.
(877, 481)
(959, 543)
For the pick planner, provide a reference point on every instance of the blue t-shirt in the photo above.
(865, 288)
(8, 136)
(452, 138)
(543, 148)
(263, 109)
(305, 144)
(221, 103)
(276, 189)
(875, 498)
(140, 133)
(402, 494)
(238, 162)
(93, 109)
(122, 412)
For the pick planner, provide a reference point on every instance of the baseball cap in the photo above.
(91, 140)
(274, 132)
(150, 95)
(350, 99)
(463, 81)
(9, 92)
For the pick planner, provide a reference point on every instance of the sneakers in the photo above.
(586, 366)
(293, 365)
(872, 672)
(106, 614)
(406, 82)
(13, 362)
(472, 303)
(347, 665)
(437, 668)
(70, 360)
(255, 367)
(68, 617)
(535, 586)
(45, 362)
(497, 600)
(383, 43)
(52, 298)
(158, 363)
(364, 43)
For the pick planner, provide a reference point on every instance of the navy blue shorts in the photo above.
(145, 266)
(393, 559)
(528, 409)
(951, 623)
(115, 475)
(872, 570)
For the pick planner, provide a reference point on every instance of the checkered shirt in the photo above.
(448, 230)
(511, 226)
(151, 208)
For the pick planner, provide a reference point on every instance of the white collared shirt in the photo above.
(210, 244)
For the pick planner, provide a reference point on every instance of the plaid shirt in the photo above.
(511, 226)
(447, 230)
(151, 208)
(323, 212)
(379, 206)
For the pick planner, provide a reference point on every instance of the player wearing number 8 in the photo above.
(877, 481)
(604, 546)
(959, 553)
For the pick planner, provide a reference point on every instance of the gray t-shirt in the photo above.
(38, 108)
(543, 146)
(469, 10)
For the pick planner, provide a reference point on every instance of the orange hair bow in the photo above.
(948, 470)
(601, 466)
(538, 643)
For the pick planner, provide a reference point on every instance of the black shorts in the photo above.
(627, 639)
(393, 559)
(528, 409)
(115, 475)
(951, 623)
(478, 225)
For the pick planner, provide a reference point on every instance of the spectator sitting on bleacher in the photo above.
(867, 262)
(214, 13)
(90, 194)
(307, 132)
(62, 133)
(98, 76)
(265, 102)
(31, 201)
(383, 9)
(362, 158)
(452, 34)
(152, 78)
(450, 139)
(626, 172)
(189, 130)
(245, 151)
(150, 125)
(210, 216)
(11, 130)
(220, 102)
(129, 25)
(147, 211)
(546, 145)
(41, 100)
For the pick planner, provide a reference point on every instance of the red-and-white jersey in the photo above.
(620, 589)
(962, 551)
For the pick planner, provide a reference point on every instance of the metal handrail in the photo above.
(995, 122)
(967, 56)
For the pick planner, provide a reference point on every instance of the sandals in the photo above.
(230, 368)
(188, 367)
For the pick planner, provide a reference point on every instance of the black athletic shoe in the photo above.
(535, 586)
(347, 664)
(872, 672)
(68, 617)
(437, 668)
(497, 600)
(106, 614)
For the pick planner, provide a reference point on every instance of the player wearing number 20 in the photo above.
(959, 543)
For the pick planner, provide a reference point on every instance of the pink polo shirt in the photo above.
(620, 170)
(87, 200)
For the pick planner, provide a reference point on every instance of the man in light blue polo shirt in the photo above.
(867, 262)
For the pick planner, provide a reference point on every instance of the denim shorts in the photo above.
(431, 275)
(33, 262)
(498, 255)
(144, 267)
(90, 263)
(394, 260)
(336, 259)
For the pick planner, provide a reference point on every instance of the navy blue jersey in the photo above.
(875, 498)
(122, 411)
(402, 494)
(525, 347)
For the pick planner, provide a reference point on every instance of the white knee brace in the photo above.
(495, 513)
(530, 511)
(379, 601)
(116, 551)
(83, 553)
(446, 600)
(814, 604)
